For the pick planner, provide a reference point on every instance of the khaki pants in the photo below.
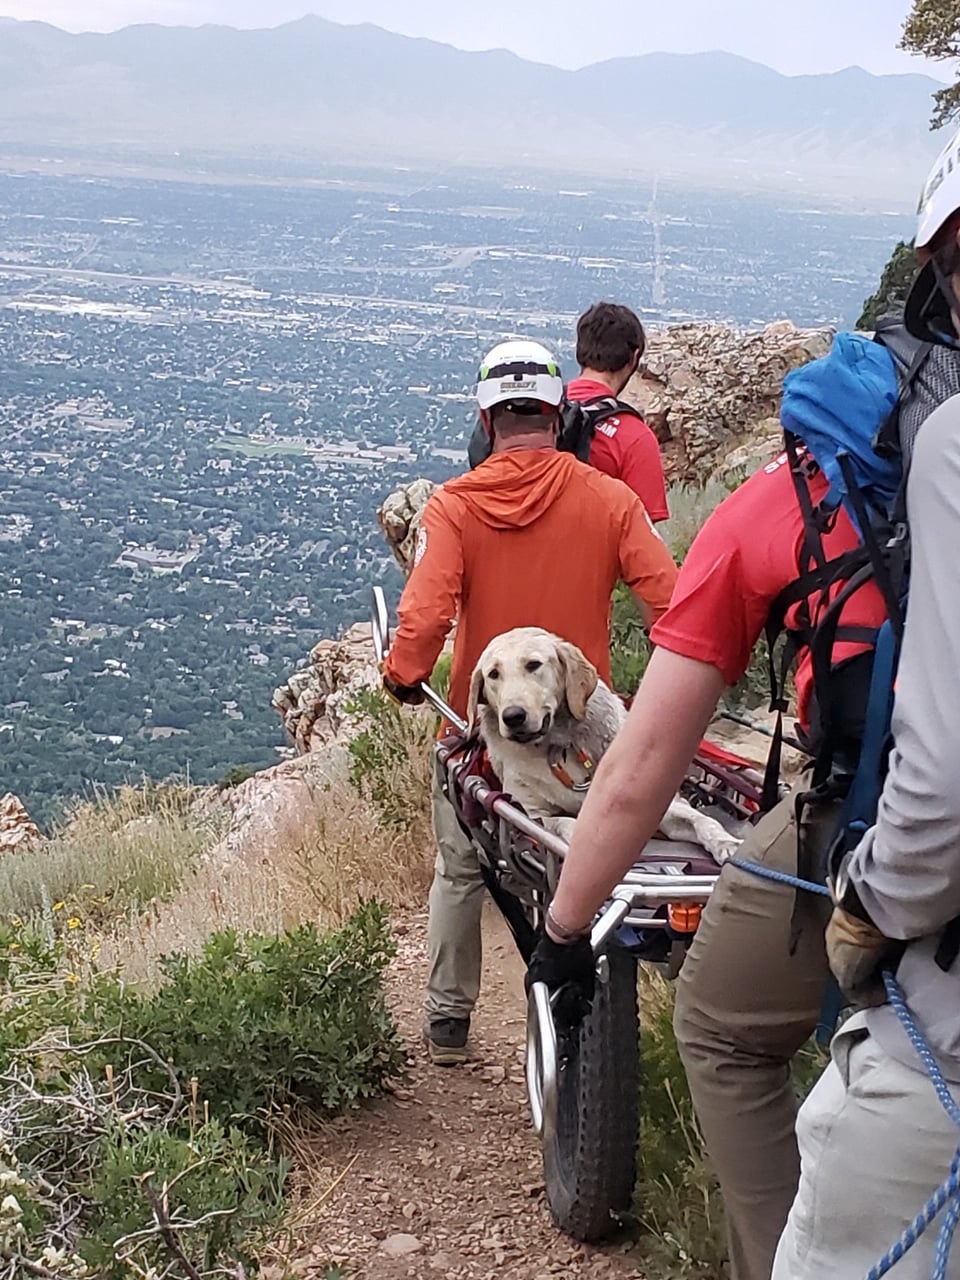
(456, 901)
(874, 1143)
(744, 1007)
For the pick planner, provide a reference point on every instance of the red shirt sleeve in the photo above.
(731, 575)
(624, 447)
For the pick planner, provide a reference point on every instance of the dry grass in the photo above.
(113, 854)
(690, 505)
(306, 846)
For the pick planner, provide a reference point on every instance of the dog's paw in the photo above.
(562, 827)
(721, 845)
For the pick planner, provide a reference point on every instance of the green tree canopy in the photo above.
(894, 285)
(932, 29)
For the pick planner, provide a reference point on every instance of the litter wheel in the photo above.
(590, 1158)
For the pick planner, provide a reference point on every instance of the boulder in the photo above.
(18, 831)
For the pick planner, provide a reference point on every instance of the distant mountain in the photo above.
(314, 91)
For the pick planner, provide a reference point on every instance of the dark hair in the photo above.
(608, 336)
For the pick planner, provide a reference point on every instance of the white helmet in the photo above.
(519, 370)
(927, 313)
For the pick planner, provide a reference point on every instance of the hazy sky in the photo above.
(817, 35)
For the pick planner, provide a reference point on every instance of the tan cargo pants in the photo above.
(456, 902)
(874, 1142)
(744, 1007)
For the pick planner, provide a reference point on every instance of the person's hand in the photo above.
(568, 969)
(410, 695)
(857, 950)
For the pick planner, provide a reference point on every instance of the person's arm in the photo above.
(635, 781)
(430, 599)
(646, 566)
(906, 871)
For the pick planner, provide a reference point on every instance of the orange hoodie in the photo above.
(530, 538)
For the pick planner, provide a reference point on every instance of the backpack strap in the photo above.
(859, 809)
(886, 567)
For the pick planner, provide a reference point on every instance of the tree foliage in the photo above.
(894, 285)
(932, 30)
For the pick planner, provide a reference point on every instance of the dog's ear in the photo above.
(477, 696)
(580, 678)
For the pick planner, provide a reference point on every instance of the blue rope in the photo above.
(779, 877)
(948, 1193)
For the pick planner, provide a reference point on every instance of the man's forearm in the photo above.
(635, 781)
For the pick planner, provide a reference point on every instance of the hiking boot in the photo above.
(446, 1040)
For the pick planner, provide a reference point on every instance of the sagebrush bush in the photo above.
(110, 1163)
(266, 1021)
(124, 1110)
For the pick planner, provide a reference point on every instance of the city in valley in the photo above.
(208, 389)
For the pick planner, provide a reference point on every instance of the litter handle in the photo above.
(380, 630)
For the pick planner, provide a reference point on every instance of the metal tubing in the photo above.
(611, 920)
(542, 1063)
(380, 632)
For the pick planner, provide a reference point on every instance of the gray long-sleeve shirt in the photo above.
(907, 868)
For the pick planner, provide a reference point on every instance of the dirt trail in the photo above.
(448, 1167)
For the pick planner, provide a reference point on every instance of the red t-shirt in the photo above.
(741, 560)
(624, 447)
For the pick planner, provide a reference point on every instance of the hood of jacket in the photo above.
(512, 490)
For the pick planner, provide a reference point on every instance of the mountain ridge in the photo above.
(312, 91)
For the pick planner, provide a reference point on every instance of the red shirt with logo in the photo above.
(746, 553)
(624, 447)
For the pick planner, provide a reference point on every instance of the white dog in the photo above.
(546, 719)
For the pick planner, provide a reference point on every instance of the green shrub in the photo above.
(214, 1177)
(895, 282)
(233, 777)
(678, 1199)
(440, 680)
(121, 1111)
(265, 1021)
(391, 760)
(629, 647)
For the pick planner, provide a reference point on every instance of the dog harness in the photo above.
(557, 758)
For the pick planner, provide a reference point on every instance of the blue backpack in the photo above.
(843, 415)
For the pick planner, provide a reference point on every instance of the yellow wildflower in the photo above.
(58, 906)
(71, 977)
(73, 923)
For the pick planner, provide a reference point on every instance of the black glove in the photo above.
(568, 969)
(410, 694)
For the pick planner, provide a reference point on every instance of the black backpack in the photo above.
(579, 420)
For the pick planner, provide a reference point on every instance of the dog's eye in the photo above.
(534, 665)
(494, 674)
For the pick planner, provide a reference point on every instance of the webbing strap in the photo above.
(859, 809)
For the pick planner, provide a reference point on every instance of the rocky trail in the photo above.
(442, 1179)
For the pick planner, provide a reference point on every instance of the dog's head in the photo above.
(524, 679)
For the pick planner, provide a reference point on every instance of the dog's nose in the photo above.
(513, 717)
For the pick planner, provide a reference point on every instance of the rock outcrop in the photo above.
(314, 704)
(18, 831)
(712, 394)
